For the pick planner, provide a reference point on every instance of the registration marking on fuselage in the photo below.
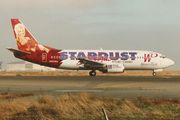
(121, 85)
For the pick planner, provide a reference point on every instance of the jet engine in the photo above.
(114, 68)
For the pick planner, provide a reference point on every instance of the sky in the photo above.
(152, 25)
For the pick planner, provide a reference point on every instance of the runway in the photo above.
(109, 86)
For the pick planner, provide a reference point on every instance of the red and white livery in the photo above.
(106, 61)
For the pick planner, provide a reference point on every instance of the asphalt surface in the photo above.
(109, 86)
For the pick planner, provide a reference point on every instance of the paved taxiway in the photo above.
(127, 87)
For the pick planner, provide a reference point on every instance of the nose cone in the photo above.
(169, 62)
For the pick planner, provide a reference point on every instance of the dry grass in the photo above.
(86, 106)
(9, 95)
(86, 73)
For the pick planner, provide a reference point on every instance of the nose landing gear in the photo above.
(154, 74)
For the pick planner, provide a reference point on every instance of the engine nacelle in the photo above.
(114, 68)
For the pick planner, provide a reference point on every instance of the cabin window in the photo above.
(125, 57)
(74, 57)
(61, 57)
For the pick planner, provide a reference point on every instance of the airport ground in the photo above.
(86, 73)
(133, 95)
(128, 85)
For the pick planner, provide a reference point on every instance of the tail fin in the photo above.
(25, 41)
(30, 50)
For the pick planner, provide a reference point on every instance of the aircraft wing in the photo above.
(18, 51)
(90, 63)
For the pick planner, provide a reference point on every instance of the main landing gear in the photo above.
(92, 73)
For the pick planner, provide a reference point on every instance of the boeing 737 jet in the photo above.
(106, 61)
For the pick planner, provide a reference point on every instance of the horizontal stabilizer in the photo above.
(18, 51)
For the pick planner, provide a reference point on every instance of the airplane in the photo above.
(106, 61)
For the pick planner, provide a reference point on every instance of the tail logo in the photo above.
(25, 41)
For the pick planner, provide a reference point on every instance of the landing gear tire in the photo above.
(92, 73)
(154, 74)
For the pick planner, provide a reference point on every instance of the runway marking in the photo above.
(121, 85)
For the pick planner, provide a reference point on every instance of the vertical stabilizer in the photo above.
(30, 50)
(25, 41)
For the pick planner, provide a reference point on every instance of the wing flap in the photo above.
(90, 63)
(18, 51)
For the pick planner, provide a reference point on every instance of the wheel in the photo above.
(92, 73)
(154, 74)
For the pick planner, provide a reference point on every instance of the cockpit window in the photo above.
(162, 56)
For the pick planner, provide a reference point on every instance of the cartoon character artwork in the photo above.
(42, 48)
(25, 41)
